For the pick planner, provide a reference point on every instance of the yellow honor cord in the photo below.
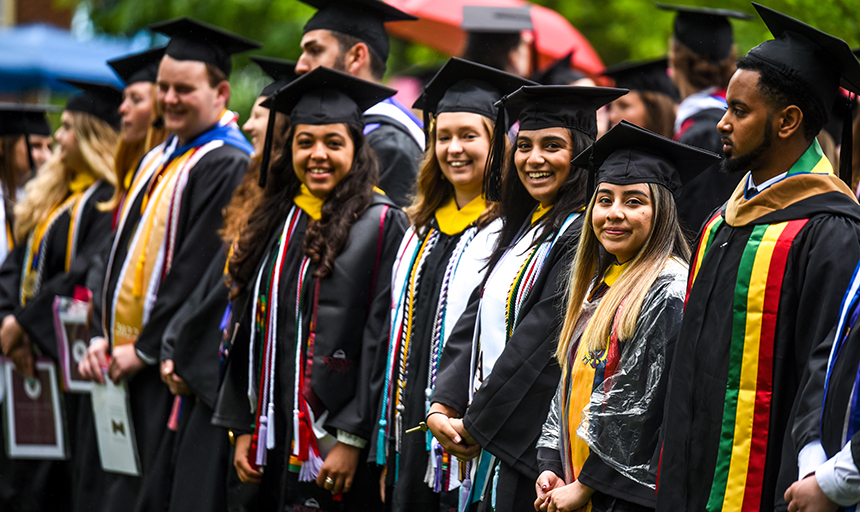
(453, 220)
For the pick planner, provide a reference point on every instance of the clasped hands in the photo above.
(448, 429)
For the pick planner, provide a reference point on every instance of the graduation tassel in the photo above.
(262, 433)
(846, 153)
(496, 159)
(270, 424)
(380, 443)
(267, 145)
(437, 485)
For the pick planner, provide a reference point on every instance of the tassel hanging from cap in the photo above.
(496, 159)
(267, 145)
(846, 153)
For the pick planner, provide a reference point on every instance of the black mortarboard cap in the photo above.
(498, 20)
(322, 96)
(140, 67)
(544, 106)
(281, 71)
(464, 86)
(705, 31)
(558, 73)
(817, 61)
(96, 99)
(628, 154)
(25, 119)
(644, 76)
(363, 19)
(193, 40)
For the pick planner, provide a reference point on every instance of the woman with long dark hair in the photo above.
(493, 393)
(58, 229)
(440, 260)
(309, 271)
(625, 300)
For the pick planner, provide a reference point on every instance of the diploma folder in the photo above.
(114, 428)
(33, 413)
(72, 331)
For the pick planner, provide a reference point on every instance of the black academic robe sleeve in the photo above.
(508, 411)
(454, 374)
(194, 335)
(37, 316)
(210, 186)
(357, 415)
(10, 280)
(232, 408)
(399, 157)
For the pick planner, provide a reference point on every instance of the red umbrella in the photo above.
(439, 23)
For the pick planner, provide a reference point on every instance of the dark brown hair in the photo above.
(661, 112)
(699, 71)
(9, 179)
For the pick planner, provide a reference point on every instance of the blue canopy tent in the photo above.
(33, 57)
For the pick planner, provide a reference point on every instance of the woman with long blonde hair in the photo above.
(58, 229)
(625, 301)
(441, 259)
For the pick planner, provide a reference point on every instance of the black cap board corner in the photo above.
(705, 31)
(558, 73)
(817, 61)
(465, 86)
(499, 20)
(25, 119)
(650, 75)
(96, 99)
(191, 39)
(138, 67)
(321, 96)
(544, 106)
(281, 71)
(363, 19)
(628, 154)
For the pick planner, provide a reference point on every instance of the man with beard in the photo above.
(766, 281)
(350, 36)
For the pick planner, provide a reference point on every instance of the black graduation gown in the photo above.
(411, 493)
(209, 188)
(712, 187)
(201, 455)
(352, 313)
(399, 157)
(509, 409)
(34, 484)
(820, 263)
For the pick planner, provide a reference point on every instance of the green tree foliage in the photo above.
(618, 29)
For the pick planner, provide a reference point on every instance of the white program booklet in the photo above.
(114, 428)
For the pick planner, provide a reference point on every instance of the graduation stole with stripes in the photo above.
(80, 190)
(742, 451)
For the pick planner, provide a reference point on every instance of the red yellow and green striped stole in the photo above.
(739, 469)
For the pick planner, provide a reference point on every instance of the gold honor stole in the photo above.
(146, 254)
(739, 471)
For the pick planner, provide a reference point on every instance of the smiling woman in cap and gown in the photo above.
(767, 277)
(298, 387)
(624, 308)
(439, 262)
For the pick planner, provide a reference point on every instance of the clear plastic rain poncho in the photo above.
(622, 419)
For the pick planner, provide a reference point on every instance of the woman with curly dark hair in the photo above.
(315, 261)
(497, 374)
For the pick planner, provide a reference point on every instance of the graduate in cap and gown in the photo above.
(25, 144)
(350, 36)
(652, 99)
(59, 226)
(701, 61)
(624, 308)
(766, 280)
(166, 236)
(299, 392)
(197, 340)
(441, 259)
(501, 37)
(497, 374)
